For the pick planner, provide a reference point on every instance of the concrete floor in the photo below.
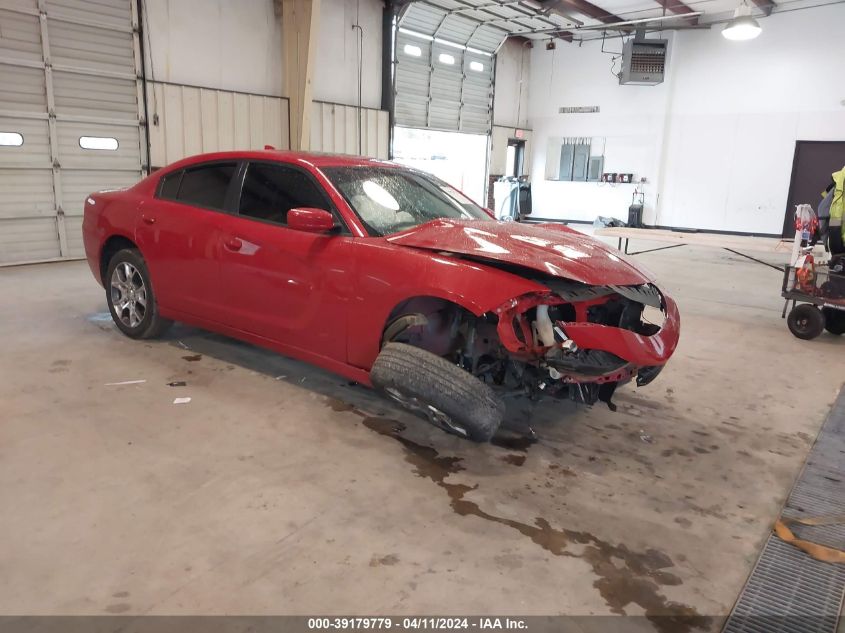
(281, 489)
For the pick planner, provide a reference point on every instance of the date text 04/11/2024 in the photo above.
(416, 623)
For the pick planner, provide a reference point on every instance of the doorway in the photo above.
(456, 158)
(515, 159)
(812, 166)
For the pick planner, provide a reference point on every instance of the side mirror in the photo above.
(311, 220)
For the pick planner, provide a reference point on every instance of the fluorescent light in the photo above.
(742, 26)
(10, 139)
(446, 58)
(476, 66)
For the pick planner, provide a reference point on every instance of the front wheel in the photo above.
(440, 391)
(805, 321)
(130, 296)
(834, 320)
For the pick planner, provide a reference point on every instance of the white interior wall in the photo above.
(715, 141)
(510, 103)
(336, 68)
(513, 75)
(221, 44)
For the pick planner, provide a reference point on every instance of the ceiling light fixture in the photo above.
(742, 26)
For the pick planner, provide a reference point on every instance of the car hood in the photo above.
(553, 249)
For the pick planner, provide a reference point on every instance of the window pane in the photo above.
(389, 200)
(98, 142)
(170, 185)
(11, 139)
(206, 186)
(270, 191)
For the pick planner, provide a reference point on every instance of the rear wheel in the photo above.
(834, 320)
(438, 390)
(805, 321)
(130, 296)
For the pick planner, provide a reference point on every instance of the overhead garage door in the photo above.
(69, 118)
(444, 70)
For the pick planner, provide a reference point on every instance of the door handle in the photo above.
(148, 220)
(233, 244)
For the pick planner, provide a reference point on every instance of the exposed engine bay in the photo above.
(530, 345)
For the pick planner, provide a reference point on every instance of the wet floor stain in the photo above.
(625, 577)
(192, 358)
(513, 442)
(513, 459)
(336, 404)
(390, 559)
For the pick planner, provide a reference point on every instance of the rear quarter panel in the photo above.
(107, 214)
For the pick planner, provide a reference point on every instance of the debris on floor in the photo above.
(124, 382)
(177, 383)
(181, 400)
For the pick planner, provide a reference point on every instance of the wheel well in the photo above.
(114, 244)
(435, 332)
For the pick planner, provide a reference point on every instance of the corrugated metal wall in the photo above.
(68, 69)
(185, 120)
(334, 129)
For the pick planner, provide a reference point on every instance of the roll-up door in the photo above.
(444, 70)
(70, 118)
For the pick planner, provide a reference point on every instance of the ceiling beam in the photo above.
(585, 7)
(679, 8)
(765, 5)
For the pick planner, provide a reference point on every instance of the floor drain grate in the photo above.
(789, 591)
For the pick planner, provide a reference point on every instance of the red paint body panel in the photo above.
(548, 248)
(325, 298)
(640, 350)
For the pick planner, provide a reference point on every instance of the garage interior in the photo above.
(282, 489)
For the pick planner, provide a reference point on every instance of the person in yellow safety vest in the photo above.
(835, 201)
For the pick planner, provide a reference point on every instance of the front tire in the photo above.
(130, 296)
(443, 393)
(805, 321)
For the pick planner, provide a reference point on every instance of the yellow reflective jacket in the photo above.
(837, 206)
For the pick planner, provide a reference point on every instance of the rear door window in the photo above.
(271, 190)
(206, 186)
(169, 187)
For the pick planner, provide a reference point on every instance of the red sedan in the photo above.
(382, 274)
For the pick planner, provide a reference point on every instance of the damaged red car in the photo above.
(382, 274)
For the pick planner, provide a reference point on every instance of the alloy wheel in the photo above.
(128, 294)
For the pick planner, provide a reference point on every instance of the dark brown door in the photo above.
(812, 166)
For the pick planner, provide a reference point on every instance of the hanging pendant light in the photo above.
(742, 26)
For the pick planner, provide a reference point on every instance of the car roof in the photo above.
(314, 159)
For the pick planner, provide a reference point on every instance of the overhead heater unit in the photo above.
(643, 61)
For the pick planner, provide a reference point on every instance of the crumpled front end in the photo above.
(582, 341)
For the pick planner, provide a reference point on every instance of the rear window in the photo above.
(203, 186)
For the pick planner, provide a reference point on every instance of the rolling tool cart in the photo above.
(816, 290)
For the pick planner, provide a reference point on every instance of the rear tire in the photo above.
(131, 298)
(834, 320)
(805, 321)
(438, 390)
